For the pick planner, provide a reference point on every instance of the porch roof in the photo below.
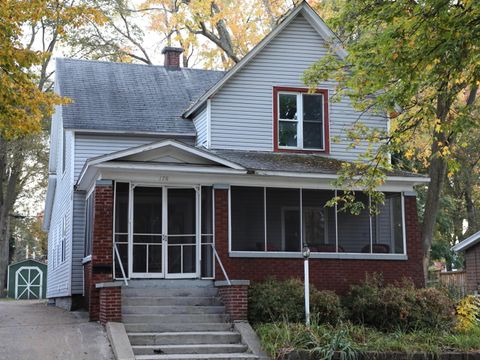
(294, 162)
(170, 156)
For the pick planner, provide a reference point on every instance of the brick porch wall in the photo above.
(331, 274)
(235, 299)
(99, 269)
(110, 306)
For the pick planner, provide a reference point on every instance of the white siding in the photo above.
(59, 273)
(78, 241)
(241, 112)
(201, 125)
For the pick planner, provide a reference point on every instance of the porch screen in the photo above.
(121, 228)
(281, 220)
(248, 221)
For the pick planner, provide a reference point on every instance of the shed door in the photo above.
(28, 283)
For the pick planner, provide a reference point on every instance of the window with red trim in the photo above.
(300, 120)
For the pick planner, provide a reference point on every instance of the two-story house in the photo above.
(163, 172)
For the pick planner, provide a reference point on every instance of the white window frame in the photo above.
(299, 121)
(320, 255)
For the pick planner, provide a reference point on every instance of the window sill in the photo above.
(295, 255)
(86, 259)
(300, 151)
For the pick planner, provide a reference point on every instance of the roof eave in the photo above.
(467, 243)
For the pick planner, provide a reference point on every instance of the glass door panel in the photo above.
(181, 233)
(147, 244)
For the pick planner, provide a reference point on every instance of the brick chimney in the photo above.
(172, 56)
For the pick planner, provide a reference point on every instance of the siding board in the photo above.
(200, 122)
(242, 117)
(89, 146)
(78, 241)
(59, 272)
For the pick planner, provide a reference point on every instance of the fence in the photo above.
(455, 281)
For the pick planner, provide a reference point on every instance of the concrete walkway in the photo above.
(31, 330)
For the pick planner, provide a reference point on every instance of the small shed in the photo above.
(27, 279)
(471, 248)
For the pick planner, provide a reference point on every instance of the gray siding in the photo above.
(200, 122)
(89, 146)
(241, 112)
(78, 241)
(59, 272)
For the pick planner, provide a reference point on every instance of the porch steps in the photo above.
(179, 320)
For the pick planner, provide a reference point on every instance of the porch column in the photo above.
(100, 269)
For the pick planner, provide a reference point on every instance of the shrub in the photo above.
(273, 301)
(389, 307)
(468, 312)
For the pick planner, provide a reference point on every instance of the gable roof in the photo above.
(310, 15)
(467, 243)
(168, 154)
(130, 98)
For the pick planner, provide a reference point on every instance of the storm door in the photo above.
(164, 240)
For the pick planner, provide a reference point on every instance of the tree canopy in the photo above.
(419, 62)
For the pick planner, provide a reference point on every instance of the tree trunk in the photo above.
(437, 173)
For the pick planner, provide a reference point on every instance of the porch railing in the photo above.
(215, 253)
(221, 264)
(117, 253)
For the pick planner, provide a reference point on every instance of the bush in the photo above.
(389, 307)
(468, 312)
(273, 301)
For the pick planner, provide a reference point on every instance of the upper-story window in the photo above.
(300, 120)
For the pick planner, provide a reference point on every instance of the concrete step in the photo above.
(182, 338)
(173, 318)
(169, 327)
(157, 301)
(169, 283)
(189, 349)
(167, 309)
(244, 356)
(169, 292)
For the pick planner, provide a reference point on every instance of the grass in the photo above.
(281, 338)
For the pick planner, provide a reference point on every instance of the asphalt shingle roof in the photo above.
(129, 97)
(289, 162)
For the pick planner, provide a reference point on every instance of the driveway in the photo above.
(31, 330)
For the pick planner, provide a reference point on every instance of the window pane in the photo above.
(181, 211)
(354, 230)
(388, 231)
(287, 133)
(313, 107)
(248, 229)
(121, 208)
(283, 219)
(312, 135)
(147, 210)
(155, 258)
(207, 210)
(207, 261)
(287, 106)
(139, 258)
(318, 221)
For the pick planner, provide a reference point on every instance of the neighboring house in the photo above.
(471, 248)
(156, 169)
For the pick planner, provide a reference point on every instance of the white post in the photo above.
(307, 292)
